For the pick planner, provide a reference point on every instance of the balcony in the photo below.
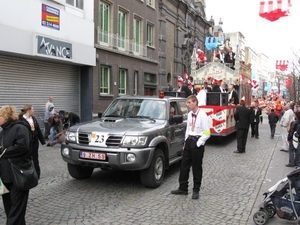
(127, 46)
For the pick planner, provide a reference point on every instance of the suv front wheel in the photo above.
(153, 176)
(80, 172)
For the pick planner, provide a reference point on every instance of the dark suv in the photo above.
(134, 133)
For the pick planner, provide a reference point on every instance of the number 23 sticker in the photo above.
(98, 139)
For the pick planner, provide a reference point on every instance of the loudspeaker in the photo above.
(217, 98)
(175, 94)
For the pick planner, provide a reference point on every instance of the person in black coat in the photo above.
(192, 88)
(242, 119)
(293, 156)
(229, 58)
(205, 87)
(255, 118)
(71, 119)
(233, 97)
(216, 86)
(26, 115)
(273, 119)
(15, 141)
(297, 134)
(183, 88)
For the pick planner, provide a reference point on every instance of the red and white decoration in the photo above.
(253, 83)
(221, 119)
(282, 64)
(273, 10)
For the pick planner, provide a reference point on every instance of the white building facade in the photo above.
(237, 42)
(47, 49)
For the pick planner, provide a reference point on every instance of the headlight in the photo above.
(71, 136)
(135, 140)
(130, 157)
(65, 152)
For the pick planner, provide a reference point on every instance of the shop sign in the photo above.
(51, 47)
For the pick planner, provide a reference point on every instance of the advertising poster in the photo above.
(50, 17)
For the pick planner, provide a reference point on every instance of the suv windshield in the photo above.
(139, 108)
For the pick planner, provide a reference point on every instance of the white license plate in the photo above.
(93, 155)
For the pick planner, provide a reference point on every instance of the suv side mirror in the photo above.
(100, 114)
(176, 119)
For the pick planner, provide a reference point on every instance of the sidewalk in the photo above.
(276, 171)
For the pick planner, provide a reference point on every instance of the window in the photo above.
(121, 29)
(136, 34)
(150, 78)
(150, 3)
(183, 109)
(75, 3)
(103, 22)
(135, 82)
(149, 34)
(122, 81)
(104, 80)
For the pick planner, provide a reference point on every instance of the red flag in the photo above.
(242, 77)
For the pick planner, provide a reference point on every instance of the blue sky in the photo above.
(274, 39)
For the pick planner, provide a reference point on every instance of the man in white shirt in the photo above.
(197, 133)
(201, 96)
(50, 101)
(286, 119)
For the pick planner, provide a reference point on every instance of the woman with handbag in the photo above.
(26, 115)
(15, 141)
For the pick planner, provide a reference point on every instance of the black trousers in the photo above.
(35, 156)
(254, 129)
(192, 157)
(242, 135)
(15, 204)
(272, 128)
(47, 130)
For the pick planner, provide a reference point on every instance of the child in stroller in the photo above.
(282, 199)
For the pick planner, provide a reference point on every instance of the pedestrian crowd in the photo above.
(287, 116)
(20, 138)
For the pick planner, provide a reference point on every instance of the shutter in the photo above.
(26, 81)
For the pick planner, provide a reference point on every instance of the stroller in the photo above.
(282, 199)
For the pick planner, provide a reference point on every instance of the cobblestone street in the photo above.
(231, 190)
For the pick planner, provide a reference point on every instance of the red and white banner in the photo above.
(274, 9)
(282, 64)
